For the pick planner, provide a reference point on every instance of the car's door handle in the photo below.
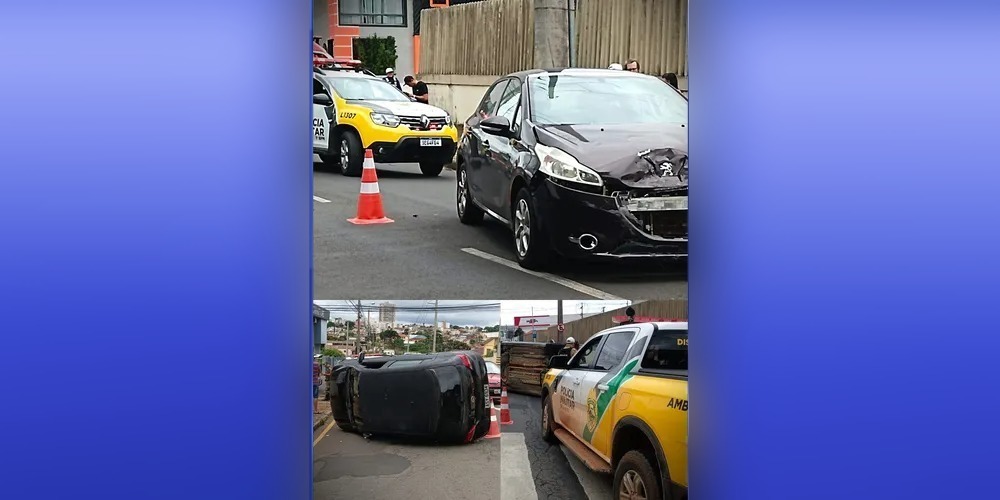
(602, 387)
(576, 381)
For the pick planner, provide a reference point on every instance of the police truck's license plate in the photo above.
(430, 142)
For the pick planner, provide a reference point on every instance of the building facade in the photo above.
(387, 312)
(341, 21)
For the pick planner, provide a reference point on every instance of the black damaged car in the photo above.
(582, 163)
(442, 397)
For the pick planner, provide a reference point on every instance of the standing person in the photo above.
(632, 65)
(390, 78)
(317, 381)
(670, 78)
(420, 91)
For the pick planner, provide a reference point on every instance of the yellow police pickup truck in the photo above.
(620, 405)
(354, 111)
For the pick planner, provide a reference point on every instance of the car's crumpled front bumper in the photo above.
(583, 224)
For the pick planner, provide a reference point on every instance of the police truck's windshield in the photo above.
(366, 89)
(604, 100)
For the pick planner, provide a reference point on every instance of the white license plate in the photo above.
(658, 204)
(486, 392)
(431, 142)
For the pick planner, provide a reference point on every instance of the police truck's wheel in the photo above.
(431, 168)
(547, 432)
(352, 155)
(530, 245)
(468, 212)
(635, 478)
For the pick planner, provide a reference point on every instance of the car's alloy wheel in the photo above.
(522, 227)
(462, 198)
(632, 487)
(345, 151)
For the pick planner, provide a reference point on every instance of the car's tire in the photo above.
(344, 426)
(352, 154)
(431, 168)
(636, 473)
(468, 212)
(530, 246)
(548, 431)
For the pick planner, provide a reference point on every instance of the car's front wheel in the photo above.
(548, 434)
(352, 155)
(468, 212)
(635, 478)
(530, 246)
(431, 168)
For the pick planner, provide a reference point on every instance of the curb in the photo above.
(321, 421)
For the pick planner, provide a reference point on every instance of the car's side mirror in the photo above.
(322, 99)
(559, 361)
(497, 125)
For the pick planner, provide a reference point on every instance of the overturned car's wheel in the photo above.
(344, 426)
(530, 245)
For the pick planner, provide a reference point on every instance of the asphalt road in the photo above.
(348, 466)
(556, 474)
(427, 252)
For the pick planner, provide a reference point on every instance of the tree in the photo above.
(333, 353)
(388, 335)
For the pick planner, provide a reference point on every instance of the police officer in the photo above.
(390, 78)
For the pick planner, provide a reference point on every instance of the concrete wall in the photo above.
(459, 95)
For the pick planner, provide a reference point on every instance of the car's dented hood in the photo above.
(639, 156)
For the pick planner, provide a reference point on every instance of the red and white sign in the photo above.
(534, 322)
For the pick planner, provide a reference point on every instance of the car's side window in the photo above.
(667, 350)
(492, 98)
(613, 350)
(318, 87)
(585, 357)
(509, 101)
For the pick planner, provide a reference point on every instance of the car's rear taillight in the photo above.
(465, 361)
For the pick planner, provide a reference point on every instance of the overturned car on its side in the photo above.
(581, 163)
(442, 397)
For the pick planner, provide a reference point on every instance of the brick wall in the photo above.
(342, 36)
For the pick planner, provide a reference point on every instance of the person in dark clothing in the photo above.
(420, 91)
(390, 78)
(670, 78)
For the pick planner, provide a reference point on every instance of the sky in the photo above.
(511, 308)
(483, 316)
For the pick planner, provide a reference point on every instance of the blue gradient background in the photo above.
(155, 266)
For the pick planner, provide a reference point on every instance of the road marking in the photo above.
(515, 469)
(596, 486)
(321, 200)
(568, 283)
(325, 430)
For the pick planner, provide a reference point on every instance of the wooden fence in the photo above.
(583, 329)
(653, 32)
(489, 38)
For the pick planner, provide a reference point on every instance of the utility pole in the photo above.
(434, 342)
(559, 320)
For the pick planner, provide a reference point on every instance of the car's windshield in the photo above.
(492, 368)
(604, 100)
(365, 89)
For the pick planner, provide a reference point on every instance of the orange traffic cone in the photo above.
(504, 409)
(494, 431)
(370, 202)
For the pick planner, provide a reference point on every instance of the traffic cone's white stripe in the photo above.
(493, 417)
(369, 188)
(369, 165)
(503, 406)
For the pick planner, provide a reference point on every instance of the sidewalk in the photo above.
(324, 416)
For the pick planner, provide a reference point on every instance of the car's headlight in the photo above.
(447, 120)
(562, 165)
(386, 119)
